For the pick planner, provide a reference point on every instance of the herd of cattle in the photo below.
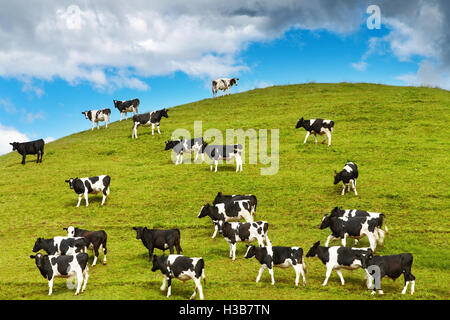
(67, 256)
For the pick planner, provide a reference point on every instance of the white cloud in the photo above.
(429, 74)
(49, 139)
(8, 135)
(360, 66)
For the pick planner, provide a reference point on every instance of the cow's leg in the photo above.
(198, 286)
(153, 129)
(303, 272)
(338, 271)
(267, 240)
(80, 196)
(354, 187)
(23, 159)
(169, 287)
(344, 240)
(163, 286)
(380, 236)
(98, 125)
(306, 137)
(157, 126)
(86, 197)
(103, 198)
(329, 138)
(216, 162)
(93, 125)
(271, 274)
(121, 114)
(327, 275)
(79, 281)
(96, 253)
(330, 237)
(343, 189)
(297, 268)
(233, 251)
(86, 276)
(372, 241)
(263, 267)
(315, 138)
(216, 228)
(50, 286)
(126, 115)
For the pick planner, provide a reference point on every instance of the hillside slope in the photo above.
(398, 136)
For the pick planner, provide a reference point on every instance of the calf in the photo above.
(230, 211)
(354, 227)
(234, 232)
(223, 84)
(84, 186)
(32, 147)
(63, 266)
(336, 258)
(182, 146)
(146, 119)
(159, 239)
(95, 240)
(127, 106)
(97, 116)
(182, 268)
(392, 266)
(221, 198)
(315, 127)
(348, 176)
(61, 245)
(223, 152)
(281, 257)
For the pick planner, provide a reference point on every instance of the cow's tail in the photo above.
(383, 217)
(178, 241)
(105, 238)
(301, 260)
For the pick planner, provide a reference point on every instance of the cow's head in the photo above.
(204, 211)
(337, 212)
(365, 256)
(86, 114)
(171, 143)
(38, 245)
(164, 113)
(39, 258)
(70, 231)
(251, 250)
(300, 123)
(313, 251)
(325, 222)
(15, 145)
(71, 182)
(139, 231)
(158, 263)
(234, 82)
(117, 103)
(337, 177)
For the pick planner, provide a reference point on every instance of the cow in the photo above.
(182, 268)
(339, 212)
(32, 147)
(127, 106)
(223, 152)
(97, 116)
(281, 257)
(354, 227)
(231, 211)
(224, 85)
(315, 127)
(348, 176)
(248, 232)
(65, 266)
(84, 186)
(159, 239)
(185, 145)
(95, 240)
(222, 198)
(392, 266)
(61, 245)
(336, 258)
(148, 119)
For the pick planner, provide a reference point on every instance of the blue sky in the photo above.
(45, 99)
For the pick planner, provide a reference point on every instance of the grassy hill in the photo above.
(398, 136)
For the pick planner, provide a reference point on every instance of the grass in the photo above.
(398, 136)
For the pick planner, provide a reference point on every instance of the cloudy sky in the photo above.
(59, 58)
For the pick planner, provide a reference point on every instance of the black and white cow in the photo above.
(354, 227)
(148, 119)
(32, 147)
(223, 84)
(61, 245)
(52, 267)
(392, 266)
(230, 211)
(97, 116)
(315, 127)
(248, 232)
(339, 212)
(281, 257)
(223, 152)
(159, 239)
(95, 240)
(84, 186)
(222, 198)
(185, 145)
(182, 268)
(336, 258)
(348, 176)
(127, 106)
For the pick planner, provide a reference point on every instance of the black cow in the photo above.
(32, 147)
(185, 145)
(52, 267)
(159, 239)
(146, 119)
(315, 127)
(348, 176)
(95, 240)
(84, 186)
(336, 258)
(61, 245)
(392, 266)
(223, 152)
(281, 257)
(182, 268)
(353, 227)
(127, 106)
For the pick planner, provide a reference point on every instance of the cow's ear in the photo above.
(134, 228)
(145, 228)
(32, 257)
(65, 229)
